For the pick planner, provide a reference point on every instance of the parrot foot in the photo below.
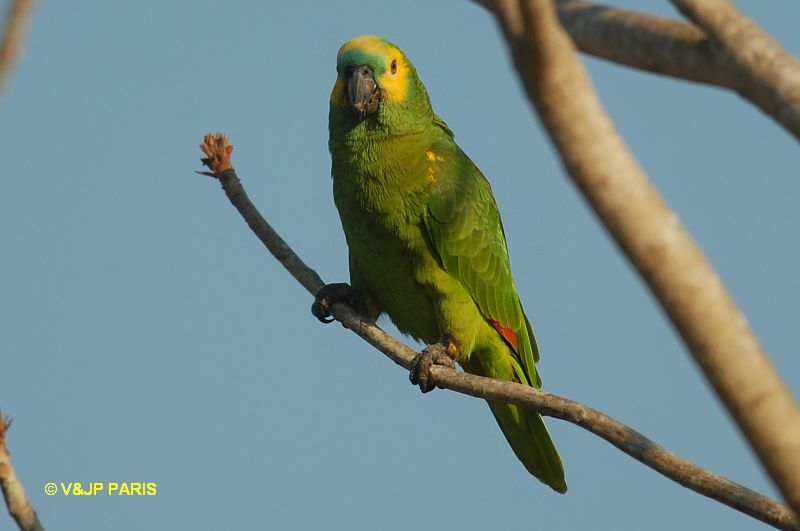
(330, 294)
(438, 354)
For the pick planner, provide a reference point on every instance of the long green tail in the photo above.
(524, 429)
(527, 434)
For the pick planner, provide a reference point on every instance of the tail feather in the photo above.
(527, 434)
(523, 428)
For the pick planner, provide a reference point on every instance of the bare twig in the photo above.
(18, 12)
(220, 161)
(652, 237)
(623, 437)
(18, 505)
(760, 70)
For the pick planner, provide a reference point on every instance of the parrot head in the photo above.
(376, 84)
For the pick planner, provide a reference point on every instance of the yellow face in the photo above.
(390, 65)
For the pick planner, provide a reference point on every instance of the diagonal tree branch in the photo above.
(707, 483)
(18, 12)
(767, 73)
(759, 70)
(643, 41)
(651, 235)
(18, 505)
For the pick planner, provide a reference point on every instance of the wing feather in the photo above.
(465, 228)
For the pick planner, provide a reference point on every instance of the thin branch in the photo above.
(623, 437)
(651, 235)
(759, 70)
(18, 505)
(16, 20)
(221, 162)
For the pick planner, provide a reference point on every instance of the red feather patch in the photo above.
(506, 332)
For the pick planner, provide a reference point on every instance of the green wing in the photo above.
(466, 231)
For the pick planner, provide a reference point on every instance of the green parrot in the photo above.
(425, 238)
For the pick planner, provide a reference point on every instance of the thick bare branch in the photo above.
(18, 505)
(767, 73)
(623, 437)
(651, 235)
(18, 12)
(747, 61)
(647, 42)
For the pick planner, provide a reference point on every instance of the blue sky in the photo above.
(147, 336)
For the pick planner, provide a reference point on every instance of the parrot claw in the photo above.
(421, 365)
(329, 295)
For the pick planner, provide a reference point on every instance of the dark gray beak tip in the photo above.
(362, 91)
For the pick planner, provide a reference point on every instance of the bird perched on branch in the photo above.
(426, 240)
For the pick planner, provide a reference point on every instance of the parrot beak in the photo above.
(362, 92)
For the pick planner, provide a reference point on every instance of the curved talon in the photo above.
(420, 373)
(321, 310)
(329, 295)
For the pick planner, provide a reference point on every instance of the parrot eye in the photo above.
(393, 66)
